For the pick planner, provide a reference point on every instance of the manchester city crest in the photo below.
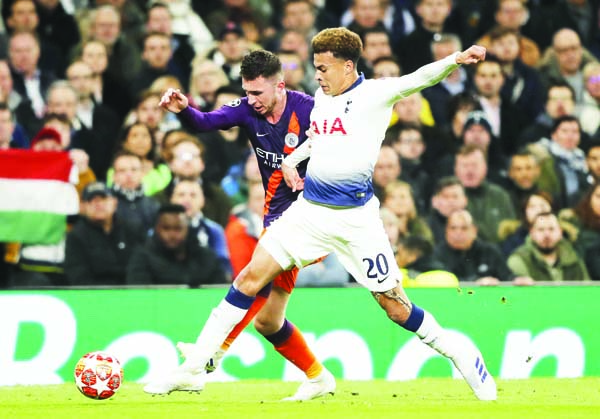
(234, 103)
(291, 140)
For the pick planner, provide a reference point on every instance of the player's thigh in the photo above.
(271, 316)
(364, 249)
(261, 270)
(297, 238)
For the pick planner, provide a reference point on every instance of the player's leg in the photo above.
(289, 341)
(465, 356)
(364, 250)
(223, 318)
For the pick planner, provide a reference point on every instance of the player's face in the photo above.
(264, 94)
(171, 230)
(332, 73)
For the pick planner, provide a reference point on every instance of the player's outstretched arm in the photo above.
(173, 100)
(472, 55)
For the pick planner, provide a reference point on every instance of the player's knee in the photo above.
(265, 326)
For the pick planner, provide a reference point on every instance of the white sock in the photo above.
(221, 321)
(433, 335)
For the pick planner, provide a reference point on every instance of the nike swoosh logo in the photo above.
(380, 281)
(260, 135)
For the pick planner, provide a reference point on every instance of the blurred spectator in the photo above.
(512, 233)
(364, 14)
(206, 78)
(560, 101)
(586, 217)
(292, 40)
(505, 119)
(172, 256)
(513, 15)
(186, 161)
(237, 11)
(98, 143)
(414, 50)
(231, 47)
(29, 80)
(235, 183)
(488, 202)
(392, 226)
(157, 61)
(592, 158)
(299, 16)
(455, 83)
(100, 245)
(57, 26)
(410, 147)
(132, 17)
(106, 88)
(546, 254)
(386, 67)
(132, 203)
(468, 257)
(293, 70)
(477, 131)
(522, 85)
(245, 226)
(376, 44)
(328, 272)
(224, 149)
(592, 261)
(589, 109)
(564, 61)
(209, 233)
(23, 17)
(415, 256)
(95, 116)
(124, 58)
(448, 196)
(564, 173)
(147, 111)
(523, 175)
(8, 94)
(579, 15)
(387, 169)
(187, 24)
(398, 198)
(11, 134)
(138, 139)
(159, 19)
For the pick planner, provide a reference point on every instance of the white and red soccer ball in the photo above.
(98, 375)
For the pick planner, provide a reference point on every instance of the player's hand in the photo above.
(472, 55)
(292, 178)
(173, 100)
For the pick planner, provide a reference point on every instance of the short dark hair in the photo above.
(260, 63)
(445, 182)
(170, 209)
(564, 118)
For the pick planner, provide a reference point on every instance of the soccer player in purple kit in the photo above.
(276, 121)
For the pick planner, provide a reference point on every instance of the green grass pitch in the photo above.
(422, 398)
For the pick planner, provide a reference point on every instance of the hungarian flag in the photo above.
(35, 196)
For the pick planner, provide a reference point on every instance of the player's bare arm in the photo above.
(472, 55)
(173, 100)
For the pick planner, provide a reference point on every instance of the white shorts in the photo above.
(308, 231)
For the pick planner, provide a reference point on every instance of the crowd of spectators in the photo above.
(490, 176)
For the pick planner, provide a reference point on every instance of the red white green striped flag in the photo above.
(35, 196)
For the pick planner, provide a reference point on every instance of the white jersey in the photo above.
(349, 129)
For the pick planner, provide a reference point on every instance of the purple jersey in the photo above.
(271, 142)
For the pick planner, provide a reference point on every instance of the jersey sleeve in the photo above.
(227, 116)
(300, 154)
(426, 76)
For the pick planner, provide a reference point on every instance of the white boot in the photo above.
(319, 386)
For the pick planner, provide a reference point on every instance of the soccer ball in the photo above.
(98, 375)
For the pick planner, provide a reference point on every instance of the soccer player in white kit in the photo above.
(337, 211)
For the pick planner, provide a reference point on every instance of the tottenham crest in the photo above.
(291, 140)
(234, 103)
